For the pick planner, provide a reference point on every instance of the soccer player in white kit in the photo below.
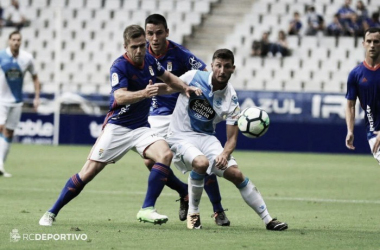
(14, 63)
(196, 149)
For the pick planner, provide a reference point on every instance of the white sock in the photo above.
(195, 194)
(254, 199)
(4, 149)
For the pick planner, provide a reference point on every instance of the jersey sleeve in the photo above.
(118, 78)
(188, 76)
(351, 93)
(31, 68)
(192, 62)
(234, 111)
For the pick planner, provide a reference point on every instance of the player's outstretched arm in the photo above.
(376, 146)
(232, 134)
(175, 83)
(350, 121)
(37, 88)
(124, 97)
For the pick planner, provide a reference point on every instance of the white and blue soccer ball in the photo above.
(253, 122)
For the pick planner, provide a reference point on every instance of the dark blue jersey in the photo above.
(124, 74)
(364, 83)
(178, 61)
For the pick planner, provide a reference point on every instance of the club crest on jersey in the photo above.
(151, 71)
(101, 151)
(169, 66)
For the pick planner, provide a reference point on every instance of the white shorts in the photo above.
(377, 154)
(115, 141)
(190, 145)
(10, 116)
(160, 124)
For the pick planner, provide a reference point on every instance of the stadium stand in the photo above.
(91, 37)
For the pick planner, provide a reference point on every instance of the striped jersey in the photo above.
(12, 72)
(202, 113)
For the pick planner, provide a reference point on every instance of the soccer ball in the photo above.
(253, 122)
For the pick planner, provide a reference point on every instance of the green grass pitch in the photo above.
(329, 202)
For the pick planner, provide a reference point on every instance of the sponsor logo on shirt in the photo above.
(370, 119)
(202, 109)
(194, 63)
(13, 74)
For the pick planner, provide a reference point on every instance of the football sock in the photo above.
(176, 184)
(72, 188)
(212, 189)
(5, 144)
(157, 179)
(254, 199)
(196, 184)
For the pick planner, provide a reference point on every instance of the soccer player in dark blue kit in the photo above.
(178, 60)
(364, 83)
(126, 126)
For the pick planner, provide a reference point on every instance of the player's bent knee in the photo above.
(165, 157)
(200, 164)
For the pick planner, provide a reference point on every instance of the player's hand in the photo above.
(191, 89)
(36, 103)
(376, 146)
(221, 162)
(151, 90)
(350, 141)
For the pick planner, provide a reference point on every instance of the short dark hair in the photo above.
(16, 32)
(156, 19)
(131, 32)
(224, 54)
(371, 30)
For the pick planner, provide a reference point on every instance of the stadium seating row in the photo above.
(318, 63)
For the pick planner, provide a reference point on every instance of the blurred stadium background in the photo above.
(74, 42)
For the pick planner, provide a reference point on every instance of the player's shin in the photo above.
(254, 199)
(5, 144)
(211, 187)
(196, 184)
(157, 179)
(176, 184)
(71, 190)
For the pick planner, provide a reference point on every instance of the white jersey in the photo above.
(201, 113)
(12, 72)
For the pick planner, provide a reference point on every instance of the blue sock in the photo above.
(72, 188)
(212, 189)
(176, 184)
(157, 179)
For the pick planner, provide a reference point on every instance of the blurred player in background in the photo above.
(178, 61)
(196, 149)
(364, 83)
(13, 65)
(126, 126)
